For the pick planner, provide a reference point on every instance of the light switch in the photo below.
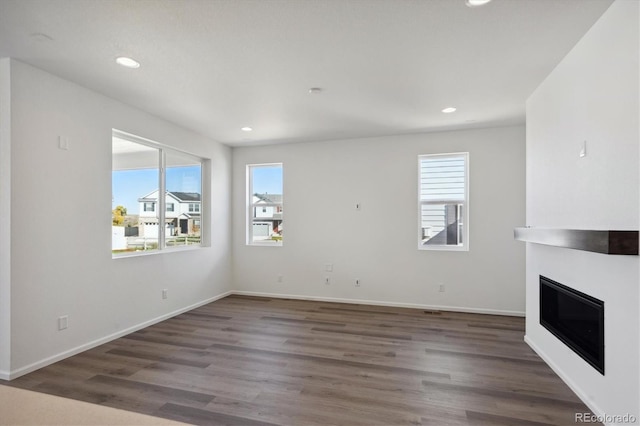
(63, 322)
(583, 149)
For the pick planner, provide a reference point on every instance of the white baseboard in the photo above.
(55, 358)
(380, 303)
(565, 378)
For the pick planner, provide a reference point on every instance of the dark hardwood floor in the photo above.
(250, 361)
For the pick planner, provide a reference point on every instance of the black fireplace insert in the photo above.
(575, 318)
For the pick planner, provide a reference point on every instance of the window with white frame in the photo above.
(443, 199)
(264, 204)
(155, 191)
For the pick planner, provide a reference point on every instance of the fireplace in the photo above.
(575, 318)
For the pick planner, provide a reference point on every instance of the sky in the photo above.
(129, 185)
(267, 179)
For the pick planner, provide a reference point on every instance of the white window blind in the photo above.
(442, 179)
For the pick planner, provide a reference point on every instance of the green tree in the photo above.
(118, 214)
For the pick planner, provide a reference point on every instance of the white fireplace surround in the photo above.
(591, 96)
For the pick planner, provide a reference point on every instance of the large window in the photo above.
(264, 204)
(142, 219)
(443, 201)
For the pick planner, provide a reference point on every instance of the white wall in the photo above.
(5, 219)
(59, 266)
(323, 181)
(592, 95)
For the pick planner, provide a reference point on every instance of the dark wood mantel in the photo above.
(598, 241)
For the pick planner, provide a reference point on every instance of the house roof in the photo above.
(179, 196)
(185, 196)
(269, 198)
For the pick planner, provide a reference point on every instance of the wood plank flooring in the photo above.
(258, 361)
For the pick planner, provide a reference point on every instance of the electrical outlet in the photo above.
(63, 322)
(328, 267)
(326, 280)
(165, 293)
(357, 283)
(441, 287)
(279, 278)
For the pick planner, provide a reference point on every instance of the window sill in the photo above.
(266, 244)
(141, 253)
(422, 247)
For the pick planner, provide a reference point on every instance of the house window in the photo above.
(443, 182)
(194, 208)
(264, 204)
(141, 171)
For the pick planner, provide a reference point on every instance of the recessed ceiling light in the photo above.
(315, 90)
(476, 3)
(246, 129)
(449, 110)
(127, 62)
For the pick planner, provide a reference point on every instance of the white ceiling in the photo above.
(386, 66)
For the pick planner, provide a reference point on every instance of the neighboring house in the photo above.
(441, 224)
(182, 216)
(267, 215)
